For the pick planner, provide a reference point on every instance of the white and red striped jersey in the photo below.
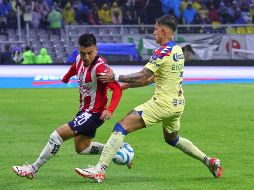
(93, 93)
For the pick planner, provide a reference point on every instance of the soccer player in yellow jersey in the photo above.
(165, 68)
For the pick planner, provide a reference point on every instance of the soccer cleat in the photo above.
(215, 167)
(26, 170)
(91, 173)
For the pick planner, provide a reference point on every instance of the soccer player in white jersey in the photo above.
(165, 68)
(92, 111)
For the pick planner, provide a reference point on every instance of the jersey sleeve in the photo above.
(116, 95)
(72, 71)
(157, 59)
(114, 86)
(103, 68)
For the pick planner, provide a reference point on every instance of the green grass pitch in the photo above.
(218, 118)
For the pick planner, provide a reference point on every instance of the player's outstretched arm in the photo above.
(70, 73)
(140, 78)
(125, 86)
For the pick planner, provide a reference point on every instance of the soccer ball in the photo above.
(124, 155)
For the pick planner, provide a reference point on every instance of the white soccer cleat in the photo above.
(26, 170)
(215, 167)
(91, 173)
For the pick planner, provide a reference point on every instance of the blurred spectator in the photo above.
(94, 18)
(3, 26)
(239, 18)
(174, 5)
(68, 14)
(215, 3)
(13, 5)
(6, 56)
(41, 7)
(27, 6)
(155, 8)
(105, 14)
(28, 56)
(184, 5)
(127, 17)
(55, 20)
(36, 20)
(252, 13)
(232, 9)
(82, 12)
(188, 14)
(49, 3)
(223, 12)
(11, 18)
(117, 15)
(196, 5)
(5, 7)
(43, 57)
(17, 56)
(198, 20)
(213, 14)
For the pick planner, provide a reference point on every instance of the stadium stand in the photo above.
(81, 16)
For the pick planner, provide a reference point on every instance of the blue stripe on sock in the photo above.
(119, 128)
(173, 143)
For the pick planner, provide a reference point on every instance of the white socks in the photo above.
(49, 150)
(94, 148)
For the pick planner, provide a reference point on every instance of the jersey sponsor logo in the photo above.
(177, 67)
(178, 56)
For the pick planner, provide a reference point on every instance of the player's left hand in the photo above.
(106, 115)
(107, 77)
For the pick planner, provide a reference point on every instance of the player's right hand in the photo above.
(106, 114)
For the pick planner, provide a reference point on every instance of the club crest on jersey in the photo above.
(178, 56)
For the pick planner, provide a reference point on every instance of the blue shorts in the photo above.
(86, 123)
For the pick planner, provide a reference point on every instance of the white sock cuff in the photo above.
(56, 137)
(94, 148)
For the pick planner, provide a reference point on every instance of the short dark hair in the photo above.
(168, 20)
(87, 40)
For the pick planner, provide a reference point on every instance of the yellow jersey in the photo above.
(167, 63)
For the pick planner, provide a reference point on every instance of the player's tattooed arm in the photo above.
(141, 77)
(135, 85)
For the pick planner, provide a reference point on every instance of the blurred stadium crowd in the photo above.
(102, 12)
(50, 17)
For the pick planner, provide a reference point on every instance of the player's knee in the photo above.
(55, 138)
(172, 142)
(119, 128)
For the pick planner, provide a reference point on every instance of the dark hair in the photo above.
(27, 48)
(168, 20)
(87, 40)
